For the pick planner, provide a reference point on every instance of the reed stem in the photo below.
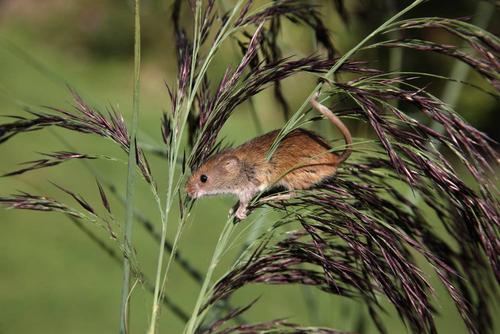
(129, 215)
(218, 252)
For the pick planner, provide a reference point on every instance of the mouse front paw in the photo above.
(241, 213)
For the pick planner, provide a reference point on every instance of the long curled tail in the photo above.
(338, 123)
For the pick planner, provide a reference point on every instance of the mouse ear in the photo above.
(231, 163)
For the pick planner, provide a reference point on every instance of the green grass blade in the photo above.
(395, 54)
(460, 69)
(129, 216)
(196, 317)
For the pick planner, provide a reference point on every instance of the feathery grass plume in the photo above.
(25, 201)
(22, 124)
(274, 326)
(86, 120)
(296, 12)
(401, 136)
(53, 159)
(484, 45)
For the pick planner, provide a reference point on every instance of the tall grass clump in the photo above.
(361, 234)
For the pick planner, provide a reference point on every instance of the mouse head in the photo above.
(218, 175)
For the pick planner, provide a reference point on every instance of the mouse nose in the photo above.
(191, 191)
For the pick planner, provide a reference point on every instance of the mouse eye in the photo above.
(203, 178)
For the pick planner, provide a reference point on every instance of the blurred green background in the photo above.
(53, 278)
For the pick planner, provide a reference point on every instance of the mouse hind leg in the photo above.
(308, 176)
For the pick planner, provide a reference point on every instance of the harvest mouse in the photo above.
(302, 160)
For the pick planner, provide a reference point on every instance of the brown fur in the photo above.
(301, 161)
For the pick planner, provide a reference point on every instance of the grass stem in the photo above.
(129, 215)
(219, 250)
(395, 54)
(460, 70)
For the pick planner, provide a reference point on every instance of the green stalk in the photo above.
(293, 121)
(176, 139)
(129, 217)
(395, 54)
(219, 250)
(178, 234)
(460, 71)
